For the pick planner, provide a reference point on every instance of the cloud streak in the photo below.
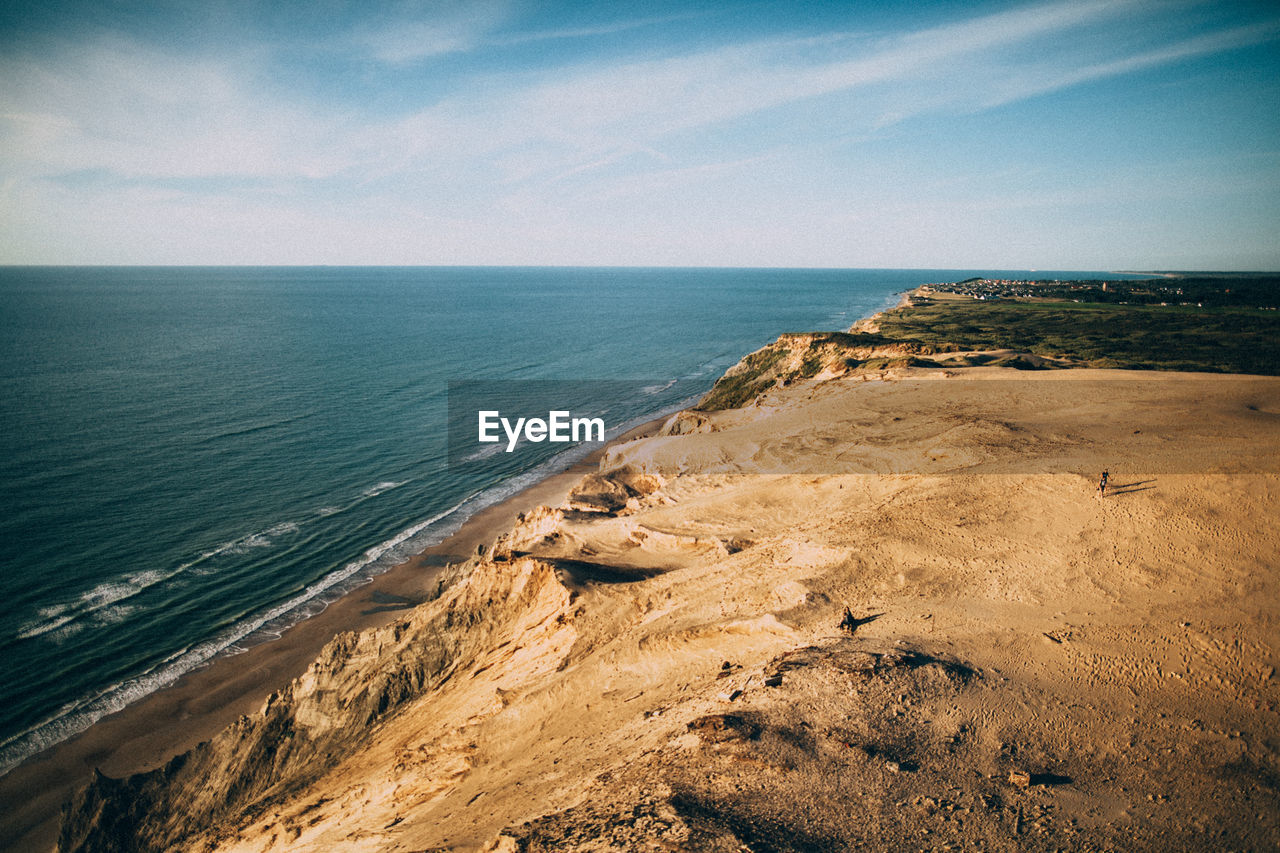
(138, 112)
(116, 112)
(454, 27)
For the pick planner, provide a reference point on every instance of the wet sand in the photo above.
(1030, 665)
(1025, 664)
(166, 723)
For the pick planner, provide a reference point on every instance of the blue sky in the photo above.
(1065, 135)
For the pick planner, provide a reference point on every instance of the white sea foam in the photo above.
(650, 390)
(371, 492)
(64, 632)
(484, 452)
(261, 539)
(384, 486)
(57, 617)
(108, 593)
(115, 615)
(35, 629)
(76, 717)
(103, 595)
(256, 540)
(148, 578)
(715, 366)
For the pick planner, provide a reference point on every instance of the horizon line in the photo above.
(1152, 271)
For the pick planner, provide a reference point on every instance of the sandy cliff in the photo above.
(657, 664)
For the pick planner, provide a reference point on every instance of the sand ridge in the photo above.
(1033, 667)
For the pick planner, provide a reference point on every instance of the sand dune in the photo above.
(1033, 666)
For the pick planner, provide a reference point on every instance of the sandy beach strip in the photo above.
(1060, 667)
(203, 702)
(1036, 650)
(1031, 665)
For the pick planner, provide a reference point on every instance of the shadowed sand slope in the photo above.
(1033, 666)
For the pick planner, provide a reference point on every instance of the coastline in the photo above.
(145, 734)
(202, 702)
(678, 668)
(799, 550)
(85, 581)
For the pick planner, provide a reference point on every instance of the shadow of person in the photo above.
(1130, 488)
(851, 623)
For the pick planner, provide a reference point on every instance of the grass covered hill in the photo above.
(1210, 324)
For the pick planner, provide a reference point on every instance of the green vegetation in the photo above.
(1233, 327)
(732, 391)
(812, 364)
(1146, 337)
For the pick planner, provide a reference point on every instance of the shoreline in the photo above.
(640, 620)
(594, 690)
(146, 734)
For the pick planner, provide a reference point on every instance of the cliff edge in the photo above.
(878, 609)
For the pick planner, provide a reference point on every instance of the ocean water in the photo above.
(193, 459)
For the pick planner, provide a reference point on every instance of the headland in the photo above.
(866, 593)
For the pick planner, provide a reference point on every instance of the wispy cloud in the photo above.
(413, 34)
(612, 28)
(581, 115)
(1034, 81)
(124, 107)
(117, 111)
(434, 30)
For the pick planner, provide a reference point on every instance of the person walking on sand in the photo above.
(1102, 484)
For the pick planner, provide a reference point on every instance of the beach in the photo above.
(1025, 663)
(862, 564)
(173, 503)
(567, 428)
(202, 703)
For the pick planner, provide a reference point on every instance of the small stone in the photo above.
(892, 766)
(1020, 779)
(773, 681)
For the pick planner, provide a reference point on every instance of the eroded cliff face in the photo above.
(305, 730)
(800, 356)
(691, 655)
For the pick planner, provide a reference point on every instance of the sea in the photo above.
(193, 459)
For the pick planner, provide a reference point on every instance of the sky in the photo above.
(1005, 135)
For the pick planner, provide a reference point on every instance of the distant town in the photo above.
(1199, 290)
